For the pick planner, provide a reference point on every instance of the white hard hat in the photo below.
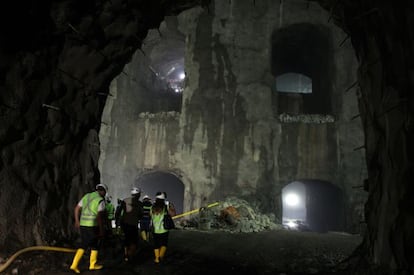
(146, 197)
(101, 185)
(160, 196)
(135, 190)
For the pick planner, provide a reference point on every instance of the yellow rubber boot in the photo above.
(144, 235)
(163, 249)
(76, 259)
(157, 256)
(93, 259)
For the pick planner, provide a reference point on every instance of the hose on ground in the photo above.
(4, 266)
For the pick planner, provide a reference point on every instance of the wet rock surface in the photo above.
(193, 251)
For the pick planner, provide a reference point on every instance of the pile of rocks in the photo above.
(234, 215)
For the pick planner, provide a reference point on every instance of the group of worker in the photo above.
(93, 218)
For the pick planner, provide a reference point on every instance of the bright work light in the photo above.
(292, 199)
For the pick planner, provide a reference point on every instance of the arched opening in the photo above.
(143, 106)
(164, 58)
(159, 181)
(294, 83)
(313, 205)
(301, 63)
(294, 206)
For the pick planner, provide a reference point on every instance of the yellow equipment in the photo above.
(32, 248)
(195, 211)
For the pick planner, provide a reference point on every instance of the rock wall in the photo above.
(383, 39)
(231, 139)
(58, 59)
(71, 50)
(231, 103)
(141, 145)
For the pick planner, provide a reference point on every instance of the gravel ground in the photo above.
(279, 252)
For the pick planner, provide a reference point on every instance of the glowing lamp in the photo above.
(292, 199)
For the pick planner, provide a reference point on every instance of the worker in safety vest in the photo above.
(160, 233)
(89, 219)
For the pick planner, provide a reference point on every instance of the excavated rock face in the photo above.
(238, 134)
(58, 59)
(382, 34)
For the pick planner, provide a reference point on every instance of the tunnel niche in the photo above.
(159, 181)
(301, 63)
(313, 205)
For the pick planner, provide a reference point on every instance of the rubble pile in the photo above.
(233, 215)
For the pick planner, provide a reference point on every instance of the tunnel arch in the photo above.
(163, 181)
(319, 205)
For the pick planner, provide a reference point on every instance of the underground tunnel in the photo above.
(158, 181)
(92, 92)
(312, 205)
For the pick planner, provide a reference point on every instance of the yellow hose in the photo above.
(4, 266)
(194, 211)
(32, 248)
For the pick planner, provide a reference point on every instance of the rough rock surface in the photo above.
(231, 137)
(65, 53)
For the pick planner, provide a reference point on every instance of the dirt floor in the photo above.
(211, 252)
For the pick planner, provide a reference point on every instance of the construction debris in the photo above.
(233, 215)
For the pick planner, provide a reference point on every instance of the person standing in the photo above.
(144, 223)
(160, 234)
(90, 221)
(131, 213)
(118, 216)
(110, 212)
(170, 206)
